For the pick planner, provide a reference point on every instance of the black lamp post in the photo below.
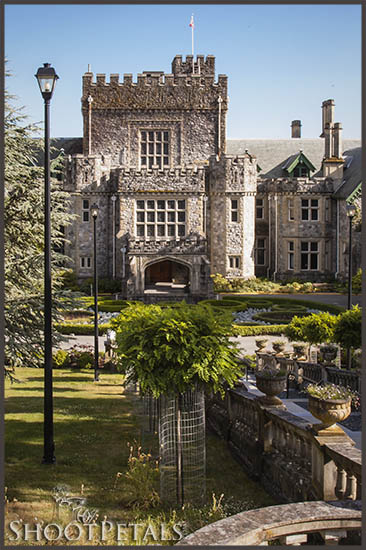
(351, 210)
(94, 212)
(46, 77)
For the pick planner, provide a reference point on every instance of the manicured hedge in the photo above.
(81, 330)
(332, 308)
(283, 316)
(258, 330)
(289, 307)
(230, 304)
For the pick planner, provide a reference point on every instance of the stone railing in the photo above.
(312, 372)
(190, 244)
(289, 524)
(292, 461)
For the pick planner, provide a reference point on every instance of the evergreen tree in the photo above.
(24, 241)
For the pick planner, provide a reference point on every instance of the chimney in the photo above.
(296, 129)
(337, 140)
(327, 114)
(328, 131)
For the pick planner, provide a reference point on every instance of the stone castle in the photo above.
(179, 202)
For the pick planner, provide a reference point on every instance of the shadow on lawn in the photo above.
(91, 446)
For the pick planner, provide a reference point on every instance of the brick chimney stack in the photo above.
(296, 129)
(327, 114)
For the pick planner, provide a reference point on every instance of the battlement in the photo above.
(153, 79)
(201, 66)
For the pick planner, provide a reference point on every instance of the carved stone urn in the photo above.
(329, 353)
(271, 386)
(329, 411)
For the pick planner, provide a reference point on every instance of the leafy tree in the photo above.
(24, 240)
(316, 328)
(169, 350)
(347, 331)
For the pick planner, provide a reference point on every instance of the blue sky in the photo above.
(282, 61)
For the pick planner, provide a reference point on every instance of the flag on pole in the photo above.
(191, 24)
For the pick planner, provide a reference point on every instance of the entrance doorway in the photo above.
(166, 273)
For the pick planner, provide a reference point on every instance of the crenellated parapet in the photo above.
(230, 173)
(179, 179)
(296, 186)
(182, 90)
(87, 172)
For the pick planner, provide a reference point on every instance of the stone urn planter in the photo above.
(329, 411)
(271, 385)
(261, 343)
(278, 346)
(300, 351)
(329, 353)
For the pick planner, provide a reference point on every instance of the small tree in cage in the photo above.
(173, 353)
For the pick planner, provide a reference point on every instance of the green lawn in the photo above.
(93, 424)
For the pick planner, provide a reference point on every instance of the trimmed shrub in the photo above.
(82, 330)
(316, 328)
(290, 302)
(347, 331)
(223, 303)
(287, 307)
(258, 330)
(60, 359)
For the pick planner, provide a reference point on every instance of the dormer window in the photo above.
(298, 166)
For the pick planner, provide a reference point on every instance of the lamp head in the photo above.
(94, 210)
(351, 210)
(46, 77)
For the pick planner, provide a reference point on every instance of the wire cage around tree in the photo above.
(182, 447)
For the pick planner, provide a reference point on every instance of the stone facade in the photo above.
(176, 207)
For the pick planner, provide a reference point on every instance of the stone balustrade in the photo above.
(292, 461)
(311, 372)
(289, 524)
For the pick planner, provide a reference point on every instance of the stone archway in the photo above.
(167, 273)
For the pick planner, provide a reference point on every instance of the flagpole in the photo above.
(192, 38)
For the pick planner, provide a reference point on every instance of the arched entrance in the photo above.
(166, 273)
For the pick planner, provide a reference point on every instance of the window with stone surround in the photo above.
(310, 210)
(309, 255)
(234, 210)
(259, 211)
(161, 218)
(234, 262)
(154, 148)
(85, 261)
(260, 251)
(85, 210)
(291, 210)
(290, 254)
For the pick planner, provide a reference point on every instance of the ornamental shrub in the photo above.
(316, 328)
(357, 282)
(170, 350)
(60, 359)
(347, 331)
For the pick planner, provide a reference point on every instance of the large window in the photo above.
(260, 251)
(310, 209)
(161, 218)
(154, 149)
(309, 255)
